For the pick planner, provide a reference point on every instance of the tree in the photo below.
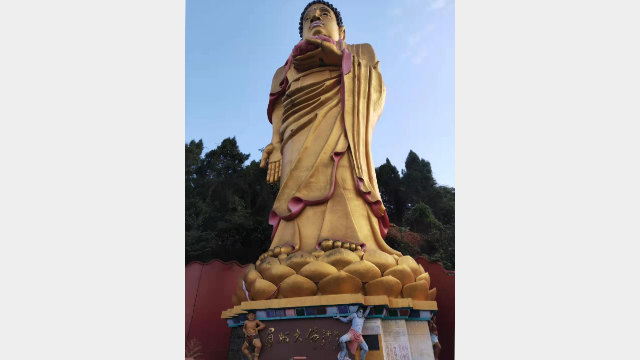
(417, 180)
(391, 191)
(421, 220)
(226, 204)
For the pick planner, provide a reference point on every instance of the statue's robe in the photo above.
(328, 187)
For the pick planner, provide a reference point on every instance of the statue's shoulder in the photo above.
(277, 79)
(363, 51)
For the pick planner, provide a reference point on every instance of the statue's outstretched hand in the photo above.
(273, 155)
(326, 54)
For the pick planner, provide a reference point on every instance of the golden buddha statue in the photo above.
(324, 104)
(328, 219)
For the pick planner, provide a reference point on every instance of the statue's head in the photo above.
(321, 18)
(251, 315)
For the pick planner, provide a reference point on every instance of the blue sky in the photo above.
(234, 47)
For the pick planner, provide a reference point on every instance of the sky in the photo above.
(234, 47)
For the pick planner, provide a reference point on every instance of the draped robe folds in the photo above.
(328, 187)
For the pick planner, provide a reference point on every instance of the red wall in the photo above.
(209, 288)
(445, 296)
(208, 292)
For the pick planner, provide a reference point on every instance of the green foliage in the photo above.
(391, 191)
(420, 219)
(439, 246)
(227, 204)
(415, 201)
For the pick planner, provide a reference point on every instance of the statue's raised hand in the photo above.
(273, 154)
(326, 54)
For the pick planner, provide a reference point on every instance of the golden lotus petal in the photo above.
(380, 259)
(266, 263)
(263, 290)
(240, 294)
(298, 260)
(363, 270)
(277, 273)
(296, 286)
(411, 263)
(282, 258)
(317, 270)
(359, 253)
(402, 273)
(340, 258)
(340, 283)
(417, 291)
(432, 294)
(317, 253)
(421, 269)
(386, 285)
(425, 277)
(250, 277)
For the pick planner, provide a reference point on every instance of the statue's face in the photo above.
(320, 20)
(251, 316)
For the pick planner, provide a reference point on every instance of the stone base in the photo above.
(317, 339)
(419, 340)
(396, 329)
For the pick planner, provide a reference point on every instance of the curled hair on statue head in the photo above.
(325, 3)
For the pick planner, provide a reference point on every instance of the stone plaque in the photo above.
(395, 340)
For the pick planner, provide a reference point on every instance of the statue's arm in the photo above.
(272, 152)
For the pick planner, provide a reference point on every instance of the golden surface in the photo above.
(317, 270)
(402, 273)
(339, 258)
(386, 285)
(250, 277)
(277, 273)
(310, 124)
(340, 283)
(297, 286)
(432, 294)
(380, 259)
(363, 270)
(298, 260)
(320, 152)
(262, 289)
(424, 277)
(416, 291)
(411, 263)
(265, 263)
